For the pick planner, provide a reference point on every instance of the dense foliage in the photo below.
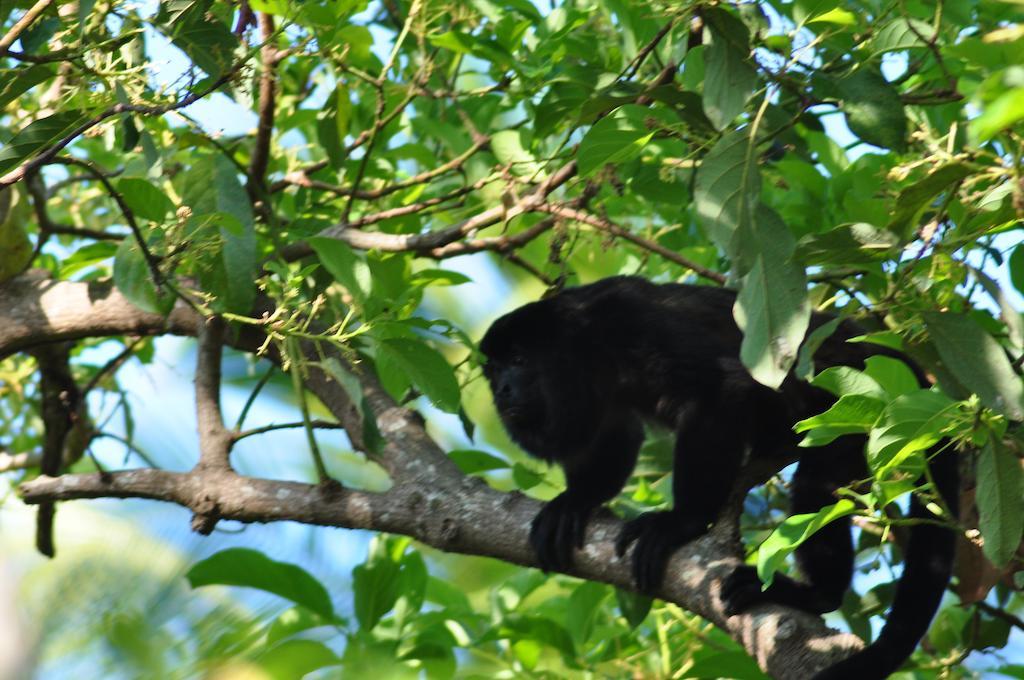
(376, 181)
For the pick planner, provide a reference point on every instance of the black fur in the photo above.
(574, 376)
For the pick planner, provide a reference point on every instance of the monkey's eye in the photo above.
(517, 360)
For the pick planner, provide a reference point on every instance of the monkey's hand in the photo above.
(657, 536)
(557, 529)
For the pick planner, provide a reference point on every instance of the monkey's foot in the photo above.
(743, 590)
(557, 529)
(657, 536)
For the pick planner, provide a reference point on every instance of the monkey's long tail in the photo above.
(928, 565)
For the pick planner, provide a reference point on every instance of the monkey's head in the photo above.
(541, 378)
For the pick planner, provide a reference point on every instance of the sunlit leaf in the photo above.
(253, 569)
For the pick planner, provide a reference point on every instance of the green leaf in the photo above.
(835, 15)
(376, 585)
(730, 78)
(613, 139)
(1002, 113)
(540, 629)
(524, 477)
(343, 264)
(253, 569)
(144, 199)
(711, 662)
(414, 579)
(296, 658)
(852, 413)
(134, 279)
(487, 49)
(372, 438)
(425, 367)
(198, 32)
(894, 376)
(18, 81)
(900, 34)
(857, 243)
(438, 277)
(291, 622)
(978, 361)
(946, 631)
(342, 110)
(527, 652)
(873, 109)
(1016, 265)
(327, 135)
(771, 308)
(87, 256)
(560, 105)
(791, 534)
(1000, 498)
(218, 201)
(687, 105)
(1007, 309)
(772, 312)
(911, 423)
(471, 461)
(634, 607)
(584, 606)
(508, 148)
(15, 247)
(38, 135)
(727, 189)
(915, 198)
(843, 380)
(805, 358)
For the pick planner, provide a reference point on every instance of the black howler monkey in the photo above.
(574, 376)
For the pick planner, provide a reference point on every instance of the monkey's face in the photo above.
(529, 409)
(515, 384)
(519, 351)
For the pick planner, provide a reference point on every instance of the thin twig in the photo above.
(113, 365)
(84, 232)
(998, 613)
(424, 243)
(646, 50)
(129, 216)
(21, 24)
(610, 227)
(318, 424)
(264, 379)
(300, 178)
(378, 115)
(47, 155)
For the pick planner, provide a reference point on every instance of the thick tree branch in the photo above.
(466, 516)
(256, 186)
(19, 461)
(430, 499)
